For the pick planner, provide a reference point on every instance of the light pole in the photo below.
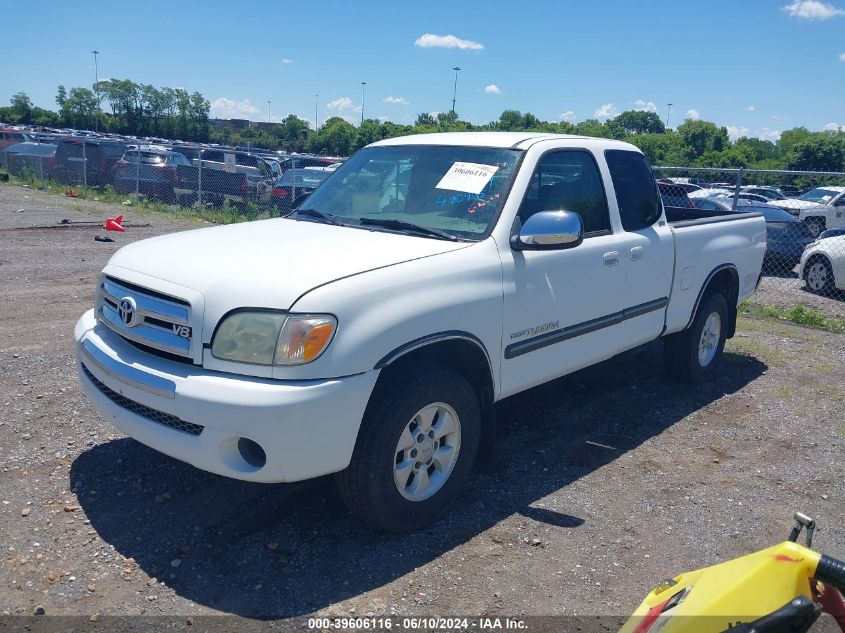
(363, 84)
(455, 91)
(668, 111)
(316, 101)
(96, 87)
(268, 112)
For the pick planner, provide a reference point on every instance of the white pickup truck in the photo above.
(370, 333)
(820, 208)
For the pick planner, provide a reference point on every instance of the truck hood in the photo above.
(267, 264)
(795, 205)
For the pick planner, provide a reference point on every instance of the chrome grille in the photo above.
(162, 323)
(143, 410)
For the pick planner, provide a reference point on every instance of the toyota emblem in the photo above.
(127, 309)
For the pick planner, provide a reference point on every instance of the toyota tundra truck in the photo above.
(370, 333)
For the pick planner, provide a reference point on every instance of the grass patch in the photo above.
(755, 349)
(799, 315)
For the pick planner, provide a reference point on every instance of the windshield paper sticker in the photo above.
(468, 177)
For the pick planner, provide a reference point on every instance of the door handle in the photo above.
(611, 258)
(637, 253)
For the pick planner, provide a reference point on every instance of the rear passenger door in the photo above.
(648, 242)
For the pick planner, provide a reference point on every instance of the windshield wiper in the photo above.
(391, 223)
(328, 218)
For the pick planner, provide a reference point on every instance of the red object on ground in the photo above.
(114, 224)
(70, 193)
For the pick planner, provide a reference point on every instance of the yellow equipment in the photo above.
(770, 590)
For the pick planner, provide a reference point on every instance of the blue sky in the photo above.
(756, 66)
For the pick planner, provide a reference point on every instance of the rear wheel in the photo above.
(818, 275)
(694, 354)
(415, 450)
(816, 225)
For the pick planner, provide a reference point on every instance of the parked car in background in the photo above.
(787, 237)
(768, 193)
(789, 191)
(38, 158)
(149, 170)
(285, 196)
(831, 233)
(711, 192)
(822, 265)
(256, 168)
(821, 208)
(306, 161)
(8, 138)
(87, 160)
(674, 195)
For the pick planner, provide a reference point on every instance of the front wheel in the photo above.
(818, 275)
(694, 354)
(816, 225)
(415, 450)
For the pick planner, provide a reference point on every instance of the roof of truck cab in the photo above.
(514, 140)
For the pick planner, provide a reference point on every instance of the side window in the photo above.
(636, 192)
(840, 202)
(568, 180)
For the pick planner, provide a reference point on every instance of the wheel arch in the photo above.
(458, 350)
(724, 279)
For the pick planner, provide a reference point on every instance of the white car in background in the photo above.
(821, 208)
(822, 265)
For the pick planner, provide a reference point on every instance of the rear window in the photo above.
(636, 192)
(147, 158)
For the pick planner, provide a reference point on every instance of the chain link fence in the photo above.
(804, 269)
(250, 182)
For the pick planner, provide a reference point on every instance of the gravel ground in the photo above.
(606, 481)
(786, 290)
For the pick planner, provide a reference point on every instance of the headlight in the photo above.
(268, 338)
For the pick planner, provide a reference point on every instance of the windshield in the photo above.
(819, 195)
(458, 190)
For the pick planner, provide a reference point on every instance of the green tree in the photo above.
(703, 136)
(638, 122)
(79, 108)
(817, 153)
(335, 137)
(292, 133)
(426, 119)
(22, 107)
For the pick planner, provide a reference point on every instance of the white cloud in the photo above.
(569, 115)
(693, 114)
(397, 101)
(780, 117)
(644, 106)
(224, 108)
(607, 111)
(342, 105)
(842, 57)
(492, 89)
(834, 127)
(735, 132)
(286, 61)
(768, 134)
(750, 109)
(429, 40)
(812, 10)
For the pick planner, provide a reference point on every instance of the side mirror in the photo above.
(549, 230)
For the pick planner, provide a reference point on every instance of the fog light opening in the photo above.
(252, 452)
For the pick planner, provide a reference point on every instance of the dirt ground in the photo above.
(606, 481)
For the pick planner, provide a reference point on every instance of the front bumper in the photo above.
(306, 428)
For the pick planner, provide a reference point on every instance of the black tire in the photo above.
(816, 225)
(681, 350)
(827, 286)
(367, 485)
